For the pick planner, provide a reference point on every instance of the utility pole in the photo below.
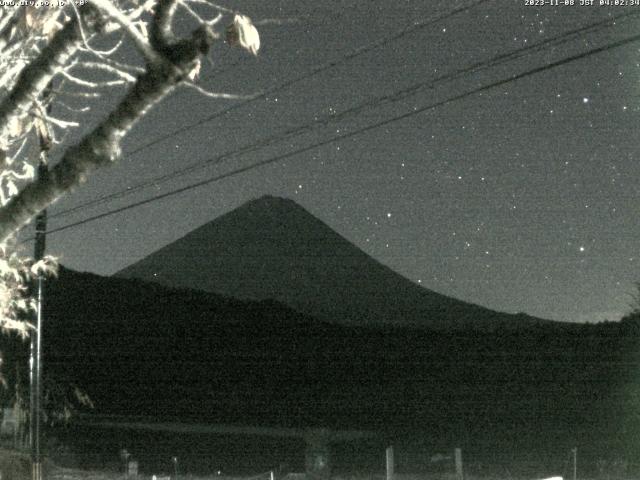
(36, 349)
(35, 398)
(390, 464)
(457, 453)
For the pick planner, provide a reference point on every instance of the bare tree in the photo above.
(67, 54)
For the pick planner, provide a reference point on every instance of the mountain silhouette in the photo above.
(139, 348)
(272, 248)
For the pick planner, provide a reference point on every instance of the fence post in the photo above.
(458, 457)
(318, 453)
(390, 463)
(575, 462)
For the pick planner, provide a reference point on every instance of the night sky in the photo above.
(522, 197)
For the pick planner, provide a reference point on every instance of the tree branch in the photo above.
(101, 147)
(141, 42)
(160, 33)
(36, 76)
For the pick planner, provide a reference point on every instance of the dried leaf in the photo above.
(12, 189)
(15, 127)
(195, 71)
(242, 32)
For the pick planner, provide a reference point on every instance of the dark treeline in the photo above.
(142, 349)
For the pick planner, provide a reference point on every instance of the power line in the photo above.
(319, 69)
(558, 40)
(349, 56)
(353, 133)
(396, 96)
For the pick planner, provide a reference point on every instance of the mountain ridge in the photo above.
(142, 349)
(272, 247)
